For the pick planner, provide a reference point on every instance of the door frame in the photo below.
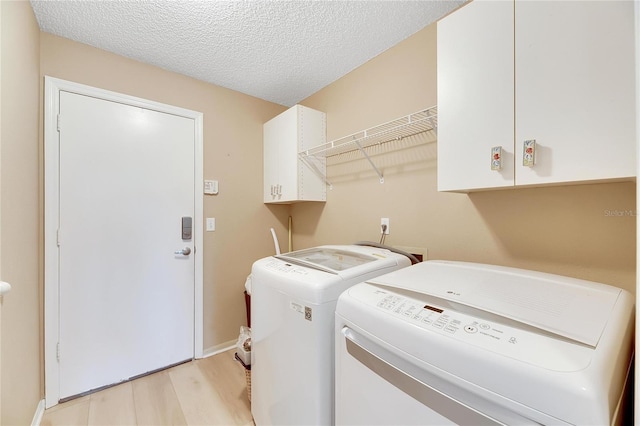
(52, 88)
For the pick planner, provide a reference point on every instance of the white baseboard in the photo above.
(37, 417)
(222, 347)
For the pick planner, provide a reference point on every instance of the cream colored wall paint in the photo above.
(585, 231)
(233, 156)
(19, 222)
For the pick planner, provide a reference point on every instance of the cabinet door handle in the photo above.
(529, 153)
(496, 158)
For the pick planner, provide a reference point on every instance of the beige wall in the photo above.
(568, 230)
(19, 186)
(232, 155)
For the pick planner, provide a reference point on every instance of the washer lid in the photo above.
(572, 308)
(327, 259)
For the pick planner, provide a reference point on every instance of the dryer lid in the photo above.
(572, 308)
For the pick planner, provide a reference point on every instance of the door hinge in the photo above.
(58, 351)
(58, 238)
(58, 122)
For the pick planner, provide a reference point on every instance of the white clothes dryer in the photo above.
(293, 300)
(443, 343)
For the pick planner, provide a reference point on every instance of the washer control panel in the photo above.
(448, 321)
(522, 343)
(286, 268)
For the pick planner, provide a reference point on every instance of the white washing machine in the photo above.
(459, 343)
(293, 300)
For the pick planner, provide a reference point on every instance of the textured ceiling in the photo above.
(280, 51)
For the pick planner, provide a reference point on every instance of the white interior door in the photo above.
(126, 300)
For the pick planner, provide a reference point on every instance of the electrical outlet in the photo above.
(385, 221)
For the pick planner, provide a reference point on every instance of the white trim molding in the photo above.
(219, 348)
(37, 417)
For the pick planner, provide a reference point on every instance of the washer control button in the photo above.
(451, 329)
(470, 329)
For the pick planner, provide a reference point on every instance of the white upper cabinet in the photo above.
(288, 179)
(557, 73)
(575, 90)
(475, 95)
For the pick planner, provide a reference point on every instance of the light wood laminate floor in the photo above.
(208, 391)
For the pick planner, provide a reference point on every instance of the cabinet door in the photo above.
(475, 96)
(575, 90)
(288, 154)
(280, 157)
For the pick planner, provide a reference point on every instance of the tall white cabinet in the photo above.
(561, 74)
(287, 178)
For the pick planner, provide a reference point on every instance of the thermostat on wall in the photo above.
(211, 187)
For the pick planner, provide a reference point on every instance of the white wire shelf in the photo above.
(422, 121)
(412, 124)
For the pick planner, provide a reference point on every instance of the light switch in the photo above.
(211, 224)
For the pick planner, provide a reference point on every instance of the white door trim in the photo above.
(52, 89)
